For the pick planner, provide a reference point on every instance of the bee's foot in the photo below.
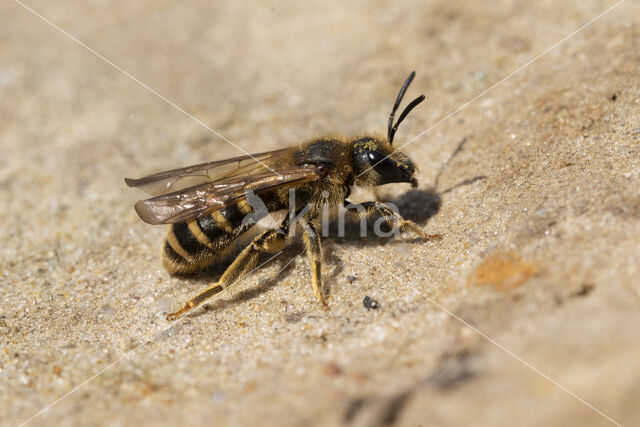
(321, 299)
(432, 236)
(176, 314)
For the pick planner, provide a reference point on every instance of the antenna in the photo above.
(404, 114)
(391, 129)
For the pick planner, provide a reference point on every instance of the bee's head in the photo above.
(376, 162)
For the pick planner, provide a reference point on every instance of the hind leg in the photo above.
(245, 262)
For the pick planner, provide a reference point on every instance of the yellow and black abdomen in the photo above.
(208, 240)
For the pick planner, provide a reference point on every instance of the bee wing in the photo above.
(191, 176)
(193, 202)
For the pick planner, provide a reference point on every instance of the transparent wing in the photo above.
(191, 176)
(193, 202)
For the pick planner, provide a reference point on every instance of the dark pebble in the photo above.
(369, 303)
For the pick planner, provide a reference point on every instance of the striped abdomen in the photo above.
(192, 246)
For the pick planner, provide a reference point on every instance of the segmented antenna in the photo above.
(391, 130)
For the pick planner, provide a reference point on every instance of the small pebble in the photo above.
(370, 303)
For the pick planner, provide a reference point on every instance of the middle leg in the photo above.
(314, 249)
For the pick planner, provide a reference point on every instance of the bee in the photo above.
(208, 206)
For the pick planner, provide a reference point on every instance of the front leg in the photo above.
(394, 218)
(314, 249)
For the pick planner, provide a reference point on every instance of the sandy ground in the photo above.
(526, 313)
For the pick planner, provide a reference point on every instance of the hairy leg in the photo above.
(314, 249)
(393, 217)
(268, 242)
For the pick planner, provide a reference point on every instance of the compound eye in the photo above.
(384, 165)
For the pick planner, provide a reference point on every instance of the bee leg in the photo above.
(245, 262)
(391, 217)
(314, 249)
